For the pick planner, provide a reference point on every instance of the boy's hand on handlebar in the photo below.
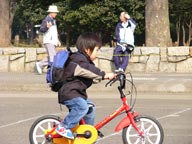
(110, 76)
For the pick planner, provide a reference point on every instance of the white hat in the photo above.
(53, 8)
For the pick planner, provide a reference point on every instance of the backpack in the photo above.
(56, 69)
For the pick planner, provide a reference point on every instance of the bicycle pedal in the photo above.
(100, 134)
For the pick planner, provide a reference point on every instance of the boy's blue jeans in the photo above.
(78, 108)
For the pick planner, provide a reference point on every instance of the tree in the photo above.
(6, 14)
(181, 21)
(157, 29)
(75, 17)
(101, 16)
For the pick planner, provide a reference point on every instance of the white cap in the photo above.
(53, 8)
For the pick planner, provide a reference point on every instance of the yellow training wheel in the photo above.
(89, 132)
(85, 134)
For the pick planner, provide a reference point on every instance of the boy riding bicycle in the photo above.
(73, 93)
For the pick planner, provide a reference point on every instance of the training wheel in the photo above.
(86, 134)
(91, 132)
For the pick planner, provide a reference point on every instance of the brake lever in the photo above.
(108, 83)
(114, 81)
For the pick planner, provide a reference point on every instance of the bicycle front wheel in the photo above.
(152, 129)
(37, 130)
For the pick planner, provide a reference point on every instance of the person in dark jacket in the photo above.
(125, 41)
(73, 94)
(50, 37)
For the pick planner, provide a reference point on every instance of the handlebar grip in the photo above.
(108, 83)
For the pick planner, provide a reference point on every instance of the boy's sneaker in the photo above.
(64, 132)
(39, 70)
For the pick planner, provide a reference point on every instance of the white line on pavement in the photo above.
(144, 78)
(175, 114)
(25, 120)
(21, 121)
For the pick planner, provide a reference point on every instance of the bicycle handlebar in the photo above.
(120, 77)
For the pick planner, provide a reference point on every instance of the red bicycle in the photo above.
(136, 128)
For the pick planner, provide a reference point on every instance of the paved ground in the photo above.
(167, 97)
(18, 110)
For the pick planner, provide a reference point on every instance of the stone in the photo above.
(14, 57)
(184, 66)
(41, 51)
(106, 65)
(143, 59)
(163, 54)
(30, 67)
(134, 59)
(30, 55)
(9, 51)
(137, 51)
(152, 67)
(190, 51)
(21, 50)
(176, 59)
(105, 53)
(1, 51)
(17, 65)
(153, 63)
(96, 62)
(4, 60)
(178, 51)
(136, 67)
(167, 67)
(41, 56)
(150, 50)
(153, 59)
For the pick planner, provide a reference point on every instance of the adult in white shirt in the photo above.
(125, 41)
(50, 37)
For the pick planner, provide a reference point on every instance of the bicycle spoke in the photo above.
(137, 141)
(43, 141)
(149, 141)
(42, 128)
(142, 125)
(40, 136)
(149, 128)
(49, 125)
(133, 135)
(153, 134)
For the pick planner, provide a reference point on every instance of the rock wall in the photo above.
(143, 59)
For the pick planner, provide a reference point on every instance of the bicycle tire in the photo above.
(39, 123)
(153, 131)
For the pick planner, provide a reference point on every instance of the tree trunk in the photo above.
(190, 32)
(183, 29)
(157, 23)
(6, 15)
(178, 24)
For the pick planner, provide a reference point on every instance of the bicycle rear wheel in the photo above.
(153, 132)
(38, 128)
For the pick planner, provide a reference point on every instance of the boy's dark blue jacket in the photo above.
(86, 74)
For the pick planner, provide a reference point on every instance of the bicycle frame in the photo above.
(129, 119)
(126, 121)
(130, 115)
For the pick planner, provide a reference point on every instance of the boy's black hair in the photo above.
(88, 40)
